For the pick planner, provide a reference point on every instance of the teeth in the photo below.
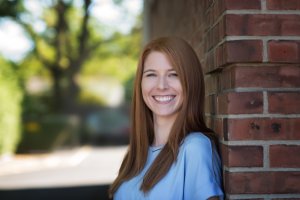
(163, 98)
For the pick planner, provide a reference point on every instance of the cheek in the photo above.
(177, 86)
(145, 90)
(146, 86)
(179, 89)
(143, 87)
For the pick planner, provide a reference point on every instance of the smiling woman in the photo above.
(162, 92)
(172, 154)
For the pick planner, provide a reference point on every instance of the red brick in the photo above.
(285, 156)
(290, 27)
(262, 182)
(234, 156)
(225, 79)
(217, 9)
(215, 32)
(284, 102)
(251, 25)
(240, 103)
(265, 76)
(220, 8)
(262, 129)
(283, 4)
(212, 38)
(208, 121)
(242, 4)
(210, 104)
(222, 26)
(262, 25)
(220, 56)
(243, 51)
(218, 128)
(284, 51)
(210, 62)
(211, 83)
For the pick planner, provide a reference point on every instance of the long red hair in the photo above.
(189, 119)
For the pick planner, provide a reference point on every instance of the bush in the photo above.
(10, 108)
(50, 132)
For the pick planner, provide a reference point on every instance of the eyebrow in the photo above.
(148, 70)
(152, 70)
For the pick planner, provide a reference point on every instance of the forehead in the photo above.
(157, 60)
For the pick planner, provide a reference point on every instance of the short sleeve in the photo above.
(202, 169)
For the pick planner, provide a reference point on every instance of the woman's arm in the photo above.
(202, 171)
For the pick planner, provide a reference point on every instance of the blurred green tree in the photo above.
(11, 93)
(70, 39)
(117, 60)
(10, 8)
(10, 108)
(68, 45)
(62, 47)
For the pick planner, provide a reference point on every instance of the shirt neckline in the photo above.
(156, 148)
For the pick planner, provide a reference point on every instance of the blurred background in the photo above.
(66, 75)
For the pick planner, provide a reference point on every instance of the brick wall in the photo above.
(250, 52)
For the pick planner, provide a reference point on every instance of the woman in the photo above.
(172, 154)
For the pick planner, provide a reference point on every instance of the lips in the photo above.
(164, 98)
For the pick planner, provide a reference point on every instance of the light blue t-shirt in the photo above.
(196, 175)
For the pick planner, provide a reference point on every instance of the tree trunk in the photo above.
(72, 95)
(57, 97)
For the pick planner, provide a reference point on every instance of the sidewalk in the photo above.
(75, 167)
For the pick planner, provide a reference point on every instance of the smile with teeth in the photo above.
(164, 99)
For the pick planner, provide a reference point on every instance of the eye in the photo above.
(150, 75)
(173, 74)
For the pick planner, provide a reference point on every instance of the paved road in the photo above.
(82, 173)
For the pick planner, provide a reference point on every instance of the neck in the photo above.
(162, 129)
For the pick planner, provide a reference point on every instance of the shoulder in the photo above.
(196, 145)
(197, 141)
(196, 153)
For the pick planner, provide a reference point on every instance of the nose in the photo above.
(162, 83)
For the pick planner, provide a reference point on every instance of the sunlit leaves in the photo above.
(10, 8)
(10, 108)
(45, 50)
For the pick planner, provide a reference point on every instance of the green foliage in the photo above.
(31, 66)
(116, 60)
(121, 68)
(129, 89)
(61, 50)
(61, 53)
(35, 104)
(48, 133)
(10, 108)
(10, 8)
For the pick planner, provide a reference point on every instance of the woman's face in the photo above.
(161, 87)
